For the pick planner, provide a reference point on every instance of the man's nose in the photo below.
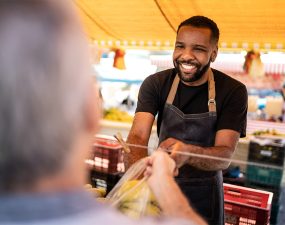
(187, 54)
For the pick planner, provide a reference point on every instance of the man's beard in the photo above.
(196, 76)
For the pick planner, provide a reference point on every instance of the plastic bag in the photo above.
(132, 195)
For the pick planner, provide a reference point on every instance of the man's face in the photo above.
(193, 52)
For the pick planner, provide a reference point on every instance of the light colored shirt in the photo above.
(68, 208)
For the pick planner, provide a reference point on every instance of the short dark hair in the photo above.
(204, 22)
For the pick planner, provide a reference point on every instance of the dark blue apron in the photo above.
(204, 189)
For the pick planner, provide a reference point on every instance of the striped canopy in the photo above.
(152, 24)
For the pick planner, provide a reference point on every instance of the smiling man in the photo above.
(200, 110)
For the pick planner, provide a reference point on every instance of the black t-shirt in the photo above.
(231, 99)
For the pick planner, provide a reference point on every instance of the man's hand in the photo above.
(177, 148)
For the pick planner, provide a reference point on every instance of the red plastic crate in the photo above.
(246, 206)
(106, 155)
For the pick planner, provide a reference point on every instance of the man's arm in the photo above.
(139, 135)
(225, 145)
(160, 170)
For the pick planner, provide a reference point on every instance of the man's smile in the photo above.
(187, 68)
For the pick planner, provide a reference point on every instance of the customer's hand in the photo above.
(160, 167)
(177, 149)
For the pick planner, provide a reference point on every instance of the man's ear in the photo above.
(93, 110)
(214, 54)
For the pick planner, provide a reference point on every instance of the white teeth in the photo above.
(187, 67)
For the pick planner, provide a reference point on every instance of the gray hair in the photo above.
(44, 83)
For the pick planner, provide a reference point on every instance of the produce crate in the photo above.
(275, 200)
(106, 155)
(267, 150)
(104, 180)
(264, 175)
(246, 206)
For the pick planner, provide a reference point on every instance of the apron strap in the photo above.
(211, 91)
(172, 92)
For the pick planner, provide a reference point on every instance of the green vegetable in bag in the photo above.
(137, 200)
(132, 195)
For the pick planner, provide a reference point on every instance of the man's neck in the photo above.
(201, 81)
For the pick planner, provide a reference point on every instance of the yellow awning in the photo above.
(244, 24)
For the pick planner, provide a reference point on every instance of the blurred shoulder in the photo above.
(163, 76)
(225, 81)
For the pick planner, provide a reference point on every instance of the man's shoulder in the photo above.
(169, 72)
(226, 80)
(160, 79)
(163, 75)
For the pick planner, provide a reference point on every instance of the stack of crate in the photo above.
(270, 153)
(106, 162)
(246, 206)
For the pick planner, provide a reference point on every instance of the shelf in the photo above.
(127, 81)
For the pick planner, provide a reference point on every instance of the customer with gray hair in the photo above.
(49, 112)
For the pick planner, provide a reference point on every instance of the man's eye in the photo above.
(178, 46)
(200, 49)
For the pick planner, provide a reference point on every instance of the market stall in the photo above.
(146, 31)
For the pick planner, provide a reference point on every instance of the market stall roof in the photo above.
(152, 24)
